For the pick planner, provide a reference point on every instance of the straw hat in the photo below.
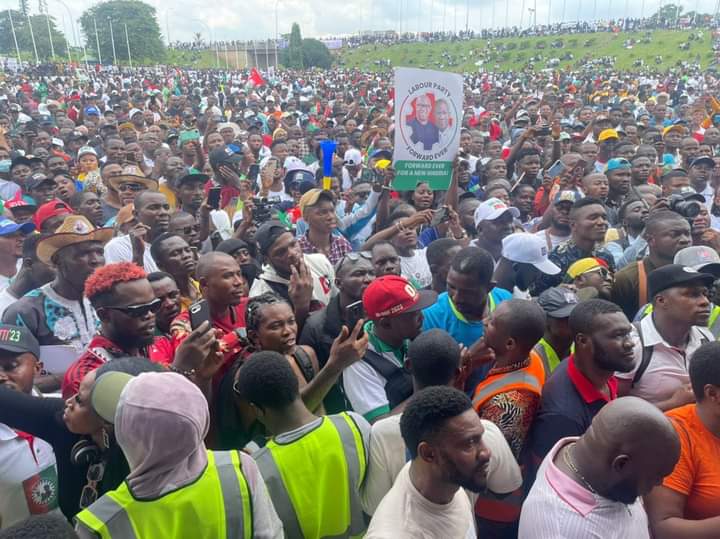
(75, 229)
(133, 174)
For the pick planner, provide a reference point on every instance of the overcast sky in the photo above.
(255, 19)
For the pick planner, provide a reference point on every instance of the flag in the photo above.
(256, 78)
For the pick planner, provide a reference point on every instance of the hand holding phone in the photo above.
(199, 313)
(213, 199)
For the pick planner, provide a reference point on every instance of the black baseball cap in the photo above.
(674, 275)
(192, 177)
(18, 340)
(36, 180)
(224, 155)
(268, 233)
(704, 160)
(558, 302)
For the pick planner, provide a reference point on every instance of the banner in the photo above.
(428, 114)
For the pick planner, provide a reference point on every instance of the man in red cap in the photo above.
(378, 384)
(50, 216)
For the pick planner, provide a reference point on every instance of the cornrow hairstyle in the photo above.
(99, 286)
(253, 312)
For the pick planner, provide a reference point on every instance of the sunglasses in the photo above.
(190, 229)
(89, 493)
(354, 257)
(131, 187)
(139, 311)
(602, 271)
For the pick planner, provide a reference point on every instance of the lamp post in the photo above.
(32, 38)
(127, 41)
(52, 47)
(17, 48)
(97, 40)
(112, 41)
(277, 35)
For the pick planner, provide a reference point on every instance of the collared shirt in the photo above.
(558, 506)
(364, 386)
(339, 247)
(567, 407)
(668, 368)
(120, 249)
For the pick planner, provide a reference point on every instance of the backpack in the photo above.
(398, 382)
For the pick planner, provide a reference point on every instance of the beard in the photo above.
(607, 361)
(474, 480)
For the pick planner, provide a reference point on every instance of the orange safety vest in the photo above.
(530, 378)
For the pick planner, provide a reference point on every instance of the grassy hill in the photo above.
(536, 52)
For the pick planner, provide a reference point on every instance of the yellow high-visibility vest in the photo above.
(314, 481)
(216, 505)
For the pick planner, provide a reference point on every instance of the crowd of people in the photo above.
(211, 329)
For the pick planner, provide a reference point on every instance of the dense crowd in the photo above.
(216, 325)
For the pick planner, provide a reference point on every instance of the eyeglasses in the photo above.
(602, 271)
(134, 187)
(139, 311)
(190, 229)
(354, 257)
(89, 493)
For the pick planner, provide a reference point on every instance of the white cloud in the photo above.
(255, 19)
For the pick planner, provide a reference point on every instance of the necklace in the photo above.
(571, 464)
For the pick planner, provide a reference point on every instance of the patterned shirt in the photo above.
(53, 319)
(339, 247)
(564, 255)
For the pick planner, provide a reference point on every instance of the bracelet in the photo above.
(462, 236)
(187, 374)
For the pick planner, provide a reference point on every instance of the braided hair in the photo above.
(253, 312)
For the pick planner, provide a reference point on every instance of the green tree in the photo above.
(142, 26)
(294, 53)
(24, 8)
(316, 54)
(22, 30)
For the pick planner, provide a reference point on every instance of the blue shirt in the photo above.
(440, 315)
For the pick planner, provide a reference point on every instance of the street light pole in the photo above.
(17, 48)
(277, 35)
(97, 41)
(52, 47)
(127, 40)
(112, 41)
(32, 37)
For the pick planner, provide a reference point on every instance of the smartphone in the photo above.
(355, 312)
(253, 172)
(441, 215)
(199, 313)
(542, 131)
(556, 169)
(214, 197)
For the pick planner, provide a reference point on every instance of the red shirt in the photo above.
(100, 350)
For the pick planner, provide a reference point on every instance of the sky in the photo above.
(256, 19)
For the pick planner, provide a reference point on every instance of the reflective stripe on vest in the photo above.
(289, 510)
(714, 322)
(109, 519)
(118, 515)
(521, 378)
(234, 487)
(548, 356)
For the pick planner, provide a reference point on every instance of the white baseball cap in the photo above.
(528, 249)
(352, 157)
(491, 209)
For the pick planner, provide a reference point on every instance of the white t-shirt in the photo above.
(415, 268)
(6, 299)
(28, 477)
(120, 250)
(5, 281)
(406, 514)
(554, 240)
(387, 456)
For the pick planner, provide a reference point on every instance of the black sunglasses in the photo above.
(139, 311)
(354, 257)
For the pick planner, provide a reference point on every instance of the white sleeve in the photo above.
(365, 210)
(365, 388)
(118, 250)
(266, 523)
(504, 475)
(382, 464)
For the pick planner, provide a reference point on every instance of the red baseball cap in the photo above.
(50, 209)
(392, 295)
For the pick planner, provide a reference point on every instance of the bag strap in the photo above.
(302, 358)
(647, 352)
(385, 368)
(642, 284)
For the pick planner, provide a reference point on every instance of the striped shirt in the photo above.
(558, 507)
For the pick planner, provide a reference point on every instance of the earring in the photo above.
(105, 438)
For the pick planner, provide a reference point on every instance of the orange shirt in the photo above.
(697, 473)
